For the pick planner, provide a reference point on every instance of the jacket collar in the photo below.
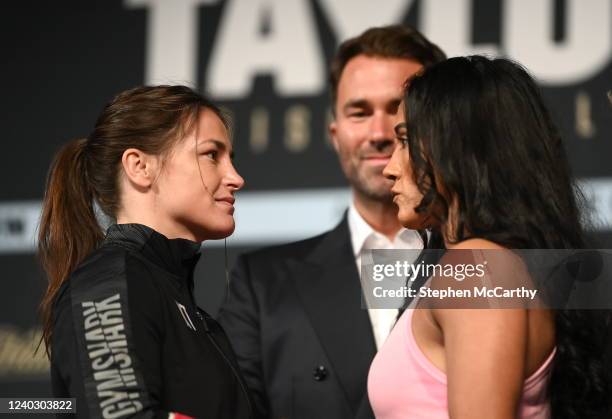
(177, 256)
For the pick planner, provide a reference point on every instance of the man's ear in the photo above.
(332, 128)
(140, 168)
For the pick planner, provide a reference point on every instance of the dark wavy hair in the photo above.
(482, 142)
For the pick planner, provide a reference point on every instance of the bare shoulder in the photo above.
(503, 264)
(477, 243)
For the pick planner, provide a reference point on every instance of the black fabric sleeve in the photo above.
(239, 317)
(106, 344)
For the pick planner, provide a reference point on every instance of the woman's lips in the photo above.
(230, 200)
(227, 202)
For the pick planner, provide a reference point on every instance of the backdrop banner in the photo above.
(265, 62)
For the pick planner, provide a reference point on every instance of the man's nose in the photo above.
(382, 134)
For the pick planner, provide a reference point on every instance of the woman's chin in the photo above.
(221, 232)
(412, 220)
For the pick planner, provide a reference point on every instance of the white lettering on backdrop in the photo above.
(291, 53)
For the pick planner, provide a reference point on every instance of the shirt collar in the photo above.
(360, 232)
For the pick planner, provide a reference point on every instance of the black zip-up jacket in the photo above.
(129, 341)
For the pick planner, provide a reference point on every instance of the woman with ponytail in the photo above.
(481, 161)
(121, 326)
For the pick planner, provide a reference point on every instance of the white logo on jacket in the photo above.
(185, 315)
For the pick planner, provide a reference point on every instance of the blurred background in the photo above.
(266, 62)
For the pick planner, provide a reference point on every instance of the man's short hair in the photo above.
(394, 41)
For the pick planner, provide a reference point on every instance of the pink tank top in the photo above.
(403, 383)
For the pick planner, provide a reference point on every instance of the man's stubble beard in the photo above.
(371, 184)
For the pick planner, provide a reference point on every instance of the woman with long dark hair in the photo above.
(121, 325)
(481, 161)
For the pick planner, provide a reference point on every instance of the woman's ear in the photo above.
(140, 168)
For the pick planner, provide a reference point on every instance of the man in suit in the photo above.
(294, 315)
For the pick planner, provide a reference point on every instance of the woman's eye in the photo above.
(211, 155)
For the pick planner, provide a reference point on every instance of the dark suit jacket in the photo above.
(302, 339)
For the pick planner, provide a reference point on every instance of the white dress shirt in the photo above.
(364, 237)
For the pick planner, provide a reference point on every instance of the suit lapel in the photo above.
(328, 286)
